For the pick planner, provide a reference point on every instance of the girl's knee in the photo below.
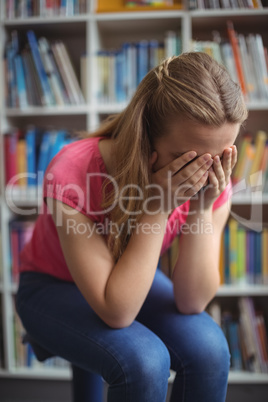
(205, 348)
(211, 351)
(147, 364)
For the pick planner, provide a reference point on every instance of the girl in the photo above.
(90, 290)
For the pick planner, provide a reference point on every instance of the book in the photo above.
(50, 71)
(142, 59)
(30, 138)
(233, 227)
(35, 88)
(48, 98)
(221, 259)
(44, 8)
(260, 141)
(257, 54)
(67, 73)
(263, 343)
(21, 82)
(264, 248)
(84, 67)
(10, 153)
(236, 358)
(238, 172)
(241, 255)
(252, 362)
(228, 60)
(21, 158)
(227, 276)
(248, 70)
(236, 52)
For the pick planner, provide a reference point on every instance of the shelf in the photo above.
(241, 377)
(257, 105)
(242, 290)
(48, 373)
(48, 111)
(242, 18)
(104, 108)
(110, 108)
(249, 198)
(246, 377)
(46, 20)
(126, 15)
(65, 374)
(228, 13)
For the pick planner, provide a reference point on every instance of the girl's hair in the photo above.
(192, 86)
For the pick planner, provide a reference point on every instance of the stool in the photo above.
(86, 386)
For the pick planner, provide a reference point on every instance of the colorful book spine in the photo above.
(30, 138)
(233, 226)
(22, 162)
(265, 256)
(241, 256)
(236, 52)
(244, 258)
(47, 92)
(255, 170)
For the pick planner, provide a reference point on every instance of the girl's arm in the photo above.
(196, 275)
(116, 291)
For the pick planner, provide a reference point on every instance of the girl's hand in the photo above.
(178, 181)
(219, 176)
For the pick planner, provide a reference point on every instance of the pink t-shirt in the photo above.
(75, 176)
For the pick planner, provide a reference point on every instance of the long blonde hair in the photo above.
(192, 86)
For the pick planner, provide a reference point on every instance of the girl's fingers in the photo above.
(188, 164)
(227, 163)
(219, 172)
(234, 155)
(192, 190)
(192, 173)
(180, 162)
(213, 181)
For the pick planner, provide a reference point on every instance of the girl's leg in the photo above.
(198, 349)
(86, 386)
(133, 360)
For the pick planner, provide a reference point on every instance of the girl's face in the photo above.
(189, 136)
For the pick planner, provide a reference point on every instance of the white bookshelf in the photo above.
(93, 31)
(242, 290)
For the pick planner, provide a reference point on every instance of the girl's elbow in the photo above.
(190, 308)
(118, 322)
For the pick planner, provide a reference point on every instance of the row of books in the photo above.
(28, 153)
(152, 3)
(246, 333)
(39, 74)
(44, 8)
(252, 161)
(245, 57)
(244, 255)
(226, 4)
(120, 71)
(24, 355)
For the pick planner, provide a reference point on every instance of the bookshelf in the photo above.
(88, 33)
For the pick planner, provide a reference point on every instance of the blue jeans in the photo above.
(134, 361)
